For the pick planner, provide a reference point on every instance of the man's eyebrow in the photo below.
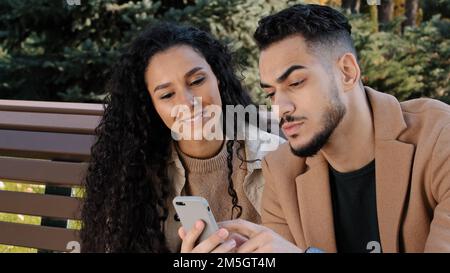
(187, 75)
(284, 75)
(288, 72)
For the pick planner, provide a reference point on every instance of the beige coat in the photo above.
(412, 157)
(253, 181)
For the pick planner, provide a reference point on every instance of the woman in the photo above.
(137, 167)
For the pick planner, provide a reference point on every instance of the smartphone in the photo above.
(193, 208)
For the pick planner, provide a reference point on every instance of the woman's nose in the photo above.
(187, 99)
(190, 100)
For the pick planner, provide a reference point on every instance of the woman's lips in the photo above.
(194, 118)
(290, 129)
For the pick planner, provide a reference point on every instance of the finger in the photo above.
(225, 247)
(212, 242)
(181, 233)
(192, 236)
(261, 249)
(252, 245)
(242, 227)
(238, 238)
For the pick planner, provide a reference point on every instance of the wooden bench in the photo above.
(46, 143)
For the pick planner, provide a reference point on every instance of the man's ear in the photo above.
(349, 70)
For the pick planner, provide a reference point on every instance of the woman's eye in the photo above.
(167, 96)
(197, 81)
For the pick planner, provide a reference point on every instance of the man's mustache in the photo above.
(289, 118)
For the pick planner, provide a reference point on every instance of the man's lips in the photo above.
(290, 128)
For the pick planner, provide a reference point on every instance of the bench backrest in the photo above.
(46, 143)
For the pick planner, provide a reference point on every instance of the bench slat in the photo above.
(40, 205)
(48, 122)
(52, 107)
(45, 145)
(33, 236)
(43, 171)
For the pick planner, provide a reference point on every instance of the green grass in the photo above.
(8, 185)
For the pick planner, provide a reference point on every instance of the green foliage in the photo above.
(415, 64)
(433, 7)
(52, 51)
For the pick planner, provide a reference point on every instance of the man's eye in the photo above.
(167, 96)
(270, 95)
(296, 83)
(197, 81)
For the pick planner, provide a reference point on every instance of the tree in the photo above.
(385, 11)
(52, 51)
(351, 6)
(411, 9)
(412, 64)
(399, 8)
(431, 8)
(374, 18)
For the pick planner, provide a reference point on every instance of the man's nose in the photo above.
(284, 103)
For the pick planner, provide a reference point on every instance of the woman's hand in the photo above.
(219, 242)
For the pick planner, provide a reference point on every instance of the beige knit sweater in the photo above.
(209, 178)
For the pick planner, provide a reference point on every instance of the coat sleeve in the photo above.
(272, 215)
(439, 237)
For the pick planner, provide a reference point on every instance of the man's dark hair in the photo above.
(322, 27)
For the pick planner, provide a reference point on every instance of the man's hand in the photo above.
(260, 238)
(219, 242)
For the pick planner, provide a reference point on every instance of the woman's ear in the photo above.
(350, 71)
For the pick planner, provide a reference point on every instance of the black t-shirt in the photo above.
(355, 210)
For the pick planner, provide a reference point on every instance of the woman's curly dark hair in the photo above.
(127, 185)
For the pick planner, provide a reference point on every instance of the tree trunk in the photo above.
(374, 18)
(399, 8)
(385, 11)
(351, 6)
(411, 8)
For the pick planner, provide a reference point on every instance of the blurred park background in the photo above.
(63, 50)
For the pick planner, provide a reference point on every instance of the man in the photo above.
(361, 172)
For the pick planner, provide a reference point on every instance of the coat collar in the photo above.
(393, 165)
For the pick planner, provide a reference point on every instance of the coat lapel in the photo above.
(393, 161)
(315, 205)
(393, 165)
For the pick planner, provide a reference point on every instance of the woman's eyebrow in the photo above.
(192, 71)
(187, 75)
(161, 86)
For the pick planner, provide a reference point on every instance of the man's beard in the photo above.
(331, 119)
